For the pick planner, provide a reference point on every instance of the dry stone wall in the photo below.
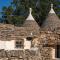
(43, 53)
(10, 32)
(18, 55)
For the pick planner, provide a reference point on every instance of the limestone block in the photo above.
(3, 58)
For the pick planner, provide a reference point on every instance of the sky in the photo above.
(4, 3)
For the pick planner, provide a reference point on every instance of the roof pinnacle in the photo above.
(30, 17)
(52, 10)
(30, 10)
(51, 6)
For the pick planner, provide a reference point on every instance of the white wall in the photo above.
(53, 53)
(2, 44)
(7, 45)
(27, 44)
(10, 45)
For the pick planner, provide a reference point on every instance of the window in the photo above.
(20, 44)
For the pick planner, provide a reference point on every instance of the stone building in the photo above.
(31, 41)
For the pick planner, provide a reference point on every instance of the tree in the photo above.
(9, 18)
(20, 10)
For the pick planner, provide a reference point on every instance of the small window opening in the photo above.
(19, 44)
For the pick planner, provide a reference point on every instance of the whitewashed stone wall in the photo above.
(2, 44)
(7, 45)
(10, 45)
(53, 53)
(27, 44)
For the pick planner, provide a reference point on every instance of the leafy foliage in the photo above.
(19, 9)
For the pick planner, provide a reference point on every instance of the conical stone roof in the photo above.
(52, 21)
(30, 23)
